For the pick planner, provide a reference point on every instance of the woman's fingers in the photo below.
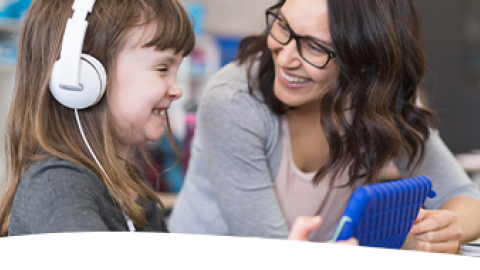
(442, 235)
(444, 241)
(303, 226)
(434, 220)
(444, 247)
(437, 231)
(421, 215)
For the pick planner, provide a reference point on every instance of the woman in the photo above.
(311, 109)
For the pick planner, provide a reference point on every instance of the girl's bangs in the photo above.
(173, 28)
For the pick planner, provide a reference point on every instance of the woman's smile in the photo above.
(292, 81)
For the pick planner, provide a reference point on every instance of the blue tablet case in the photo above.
(381, 215)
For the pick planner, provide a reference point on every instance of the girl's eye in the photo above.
(162, 68)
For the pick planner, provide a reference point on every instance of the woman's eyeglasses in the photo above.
(312, 52)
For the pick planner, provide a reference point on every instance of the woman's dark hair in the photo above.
(381, 59)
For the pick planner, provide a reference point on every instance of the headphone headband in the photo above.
(84, 5)
(72, 45)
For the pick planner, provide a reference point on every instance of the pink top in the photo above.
(297, 195)
(190, 118)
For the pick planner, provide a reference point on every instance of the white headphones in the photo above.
(78, 80)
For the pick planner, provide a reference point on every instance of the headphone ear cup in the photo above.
(93, 81)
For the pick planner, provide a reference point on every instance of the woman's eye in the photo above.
(283, 25)
(314, 48)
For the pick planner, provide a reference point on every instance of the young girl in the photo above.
(71, 169)
(314, 107)
(55, 183)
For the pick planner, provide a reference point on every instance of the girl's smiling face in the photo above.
(143, 86)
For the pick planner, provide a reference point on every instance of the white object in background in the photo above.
(7, 77)
(470, 249)
(3, 4)
(469, 161)
(207, 44)
(205, 61)
(176, 112)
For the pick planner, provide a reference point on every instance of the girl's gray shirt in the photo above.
(235, 156)
(59, 196)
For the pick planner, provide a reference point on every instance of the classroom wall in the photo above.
(235, 17)
(451, 30)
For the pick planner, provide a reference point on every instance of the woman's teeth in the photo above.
(159, 112)
(295, 80)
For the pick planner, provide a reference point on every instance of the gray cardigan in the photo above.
(58, 196)
(235, 157)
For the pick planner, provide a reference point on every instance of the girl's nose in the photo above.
(174, 92)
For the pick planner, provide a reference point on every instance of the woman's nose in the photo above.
(288, 55)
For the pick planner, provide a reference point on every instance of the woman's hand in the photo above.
(304, 225)
(436, 231)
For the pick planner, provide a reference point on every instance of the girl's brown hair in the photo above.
(381, 61)
(38, 127)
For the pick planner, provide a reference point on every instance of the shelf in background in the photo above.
(10, 25)
(7, 67)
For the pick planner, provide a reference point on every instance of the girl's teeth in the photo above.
(159, 112)
(293, 79)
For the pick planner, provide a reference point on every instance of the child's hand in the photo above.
(304, 225)
(436, 231)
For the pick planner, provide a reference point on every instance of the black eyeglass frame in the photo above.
(297, 37)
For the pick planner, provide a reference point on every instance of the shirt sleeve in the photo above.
(233, 131)
(59, 199)
(448, 178)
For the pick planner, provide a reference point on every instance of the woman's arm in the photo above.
(456, 209)
(234, 127)
(467, 211)
(443, 230)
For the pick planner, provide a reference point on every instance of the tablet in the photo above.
(381, 215)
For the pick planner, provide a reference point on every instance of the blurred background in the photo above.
(451, 36)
